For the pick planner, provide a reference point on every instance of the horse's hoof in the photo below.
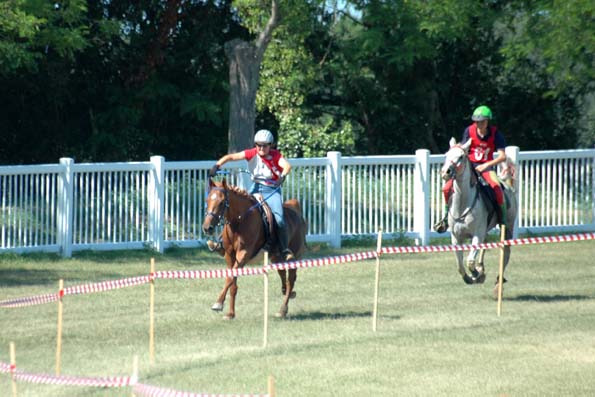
(468, 280)
(282, 312)
(229, 316)
(217, 307)
(478, 277)
(495, 292)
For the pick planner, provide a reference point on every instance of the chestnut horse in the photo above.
(244, 236)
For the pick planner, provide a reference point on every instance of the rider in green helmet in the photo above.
(486, 140)
(482, 113)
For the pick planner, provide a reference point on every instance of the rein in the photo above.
(457, 169)
(219, 217)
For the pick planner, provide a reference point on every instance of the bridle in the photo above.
(221, 215)
(455, 168)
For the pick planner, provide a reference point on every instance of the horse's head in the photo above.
(455, 159)
(217, 204)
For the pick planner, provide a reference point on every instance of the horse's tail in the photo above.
(302, 224)
(508, 173)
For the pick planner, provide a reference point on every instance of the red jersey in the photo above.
(265, 167)
(482, 150)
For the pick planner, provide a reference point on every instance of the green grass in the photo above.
(436, 336)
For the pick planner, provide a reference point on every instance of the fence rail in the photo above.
(69, 207)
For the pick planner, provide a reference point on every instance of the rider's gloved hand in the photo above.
(281, 180)
(213, 171)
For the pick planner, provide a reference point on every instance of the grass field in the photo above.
(436, 336)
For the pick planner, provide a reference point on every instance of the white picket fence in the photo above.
(70, 207)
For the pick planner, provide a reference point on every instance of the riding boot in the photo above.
(502, 214)
(442, 225)
(283, 237)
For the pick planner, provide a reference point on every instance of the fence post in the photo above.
(333, 198)
(65, 201)
(421, 196)
(512, 152)
(156, 202)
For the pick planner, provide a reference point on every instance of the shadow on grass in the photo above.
(548, 298)
(328, 316)
(16, 277)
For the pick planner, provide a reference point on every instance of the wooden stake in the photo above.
(501, 269)
(13, 366)
(134, 377)
(266, 303)
(59, 336)
(271, 386)
(377, 281)
(152, 314)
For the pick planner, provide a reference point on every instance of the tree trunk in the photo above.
(245, 59)
(244, 78)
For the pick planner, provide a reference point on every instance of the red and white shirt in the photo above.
(264, 169)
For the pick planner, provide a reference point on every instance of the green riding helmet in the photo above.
(481, 113)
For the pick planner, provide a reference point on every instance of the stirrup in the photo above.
(442, 225)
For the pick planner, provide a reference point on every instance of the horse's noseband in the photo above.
(219, 216)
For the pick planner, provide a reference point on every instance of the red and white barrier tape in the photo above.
(111, 381)
(333, 260)
(29, 301)
(106, 285)
(153, 391)
(437, 248)
(107, 382)
(254, 271)
(551, 239)
(218, 273)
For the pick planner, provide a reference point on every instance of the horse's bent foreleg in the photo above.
(471, 258)
(462, 272)
(506, 258)
(283, 276)
(233, 291)
(218, 305)
(288, 292)
(479, 274)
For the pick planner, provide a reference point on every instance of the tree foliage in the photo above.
(117, 80)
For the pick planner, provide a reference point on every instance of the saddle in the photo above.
(489, 196)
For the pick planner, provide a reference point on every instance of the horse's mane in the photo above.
(240, 192)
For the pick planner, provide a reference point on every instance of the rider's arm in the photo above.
(285, 165)
(231, 157)
(500, 144)
(492, 163)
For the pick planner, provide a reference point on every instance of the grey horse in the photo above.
(470, 215)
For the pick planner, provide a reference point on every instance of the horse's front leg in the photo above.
(475, 261)
(459, 256)
(241, 259)
(218, 305)
(233, 291)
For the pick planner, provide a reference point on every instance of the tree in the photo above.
(552, 43)
(29, 30)
(245, 59)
